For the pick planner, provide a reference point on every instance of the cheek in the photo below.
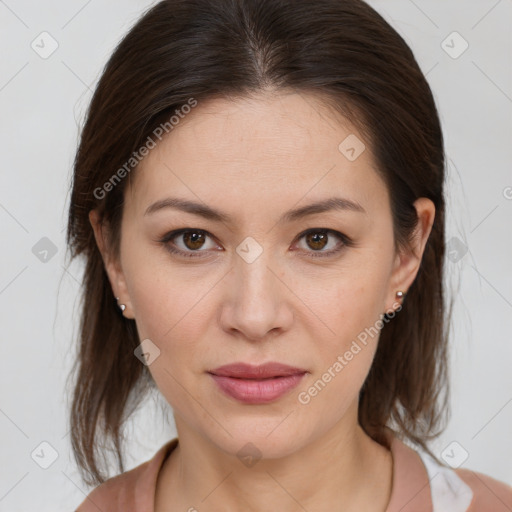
(344, 357)
(350, 302)
(168, 308)
(159, 297)
(351, 305)
(170, 311)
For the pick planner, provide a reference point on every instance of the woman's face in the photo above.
(255, 287)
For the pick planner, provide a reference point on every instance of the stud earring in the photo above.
(391, 312)
(122, 307)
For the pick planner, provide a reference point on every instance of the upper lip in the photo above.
(262, 371)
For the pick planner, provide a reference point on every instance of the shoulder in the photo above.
(465, 490)
(421, 483)
(488, 493)
(130, 491)
(114, 494)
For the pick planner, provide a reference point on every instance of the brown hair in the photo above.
(347, 54)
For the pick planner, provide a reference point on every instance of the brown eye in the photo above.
(188, 242)
(317, 240)
(193, 240)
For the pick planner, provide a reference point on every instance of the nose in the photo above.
(257, 304)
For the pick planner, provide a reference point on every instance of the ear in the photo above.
(112, 264)
(408, 261)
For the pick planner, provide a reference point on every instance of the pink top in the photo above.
(419, 485)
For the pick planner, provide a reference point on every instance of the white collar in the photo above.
(449, 492)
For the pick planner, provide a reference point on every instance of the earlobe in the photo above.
(122, 307)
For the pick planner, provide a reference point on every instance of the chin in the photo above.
(263, 437)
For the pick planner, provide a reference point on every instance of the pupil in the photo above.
(318, 238)
(194, 238)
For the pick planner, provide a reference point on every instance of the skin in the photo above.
(255, 159)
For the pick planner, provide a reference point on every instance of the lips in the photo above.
(257, 384)
(263, 371)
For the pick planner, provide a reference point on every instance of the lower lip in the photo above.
(253, 391)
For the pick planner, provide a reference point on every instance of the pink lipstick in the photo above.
(257, 384)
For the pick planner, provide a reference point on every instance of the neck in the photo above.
(343, 466)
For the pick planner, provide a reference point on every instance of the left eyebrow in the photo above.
(332, 203)
(207, 212)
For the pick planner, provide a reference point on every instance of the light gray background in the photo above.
(42, 104)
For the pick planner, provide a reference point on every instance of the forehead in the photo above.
(264, 148)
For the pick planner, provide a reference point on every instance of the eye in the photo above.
(319, 238)
(193, 242)
(192, 239)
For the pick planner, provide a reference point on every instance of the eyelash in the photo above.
(346, 242)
